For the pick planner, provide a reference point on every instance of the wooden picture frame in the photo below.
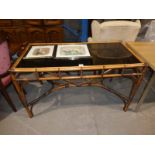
(40, 52)
(72, 51)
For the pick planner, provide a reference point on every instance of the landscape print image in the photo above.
(41, 51)
(74, 50)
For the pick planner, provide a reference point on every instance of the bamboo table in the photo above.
(108, 61)
(145, 50)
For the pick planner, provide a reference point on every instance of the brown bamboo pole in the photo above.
(134, 89)
(21, 95)
(78, 77)
(77, 68)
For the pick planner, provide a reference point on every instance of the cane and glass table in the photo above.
(100, 61)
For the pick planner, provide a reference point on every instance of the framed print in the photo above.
(40, 52)
(72, 51)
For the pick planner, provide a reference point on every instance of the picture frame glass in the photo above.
(40, 52)
(64, 51)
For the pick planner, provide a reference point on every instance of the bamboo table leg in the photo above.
(134, 89)
(145, 92)
(21, 95)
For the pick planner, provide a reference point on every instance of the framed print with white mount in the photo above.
(72, 51)
(40, 52)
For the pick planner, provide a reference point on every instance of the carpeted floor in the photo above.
(88, 110)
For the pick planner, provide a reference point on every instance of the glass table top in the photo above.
(100, 54)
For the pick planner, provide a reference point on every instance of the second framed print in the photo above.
(72, 51)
